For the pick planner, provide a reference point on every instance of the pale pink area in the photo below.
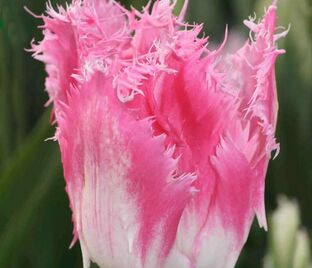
(165, 144)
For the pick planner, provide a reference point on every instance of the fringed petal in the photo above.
(251, 71)
(125, 192)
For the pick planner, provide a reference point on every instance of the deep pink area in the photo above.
(234, 188)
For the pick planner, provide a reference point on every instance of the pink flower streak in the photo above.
(165, 143)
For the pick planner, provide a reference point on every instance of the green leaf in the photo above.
(34, 214)
(21, 220)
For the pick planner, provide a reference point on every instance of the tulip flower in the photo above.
(164, 143)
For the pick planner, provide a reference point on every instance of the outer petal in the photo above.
(79, 40)
(230, 210)
(231, 184)
(126, 196)
(58, 50)
(250, 71)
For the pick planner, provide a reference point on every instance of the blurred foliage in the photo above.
(289, 244)
(35, 221)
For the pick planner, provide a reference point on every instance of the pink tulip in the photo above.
(165, 144)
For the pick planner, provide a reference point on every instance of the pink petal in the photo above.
(255, 76)
(125, 194)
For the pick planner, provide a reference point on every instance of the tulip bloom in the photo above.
(165, 144)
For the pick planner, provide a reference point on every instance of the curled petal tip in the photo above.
(32, 13)
(182, 14)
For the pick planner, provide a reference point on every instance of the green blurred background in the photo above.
(35, 219)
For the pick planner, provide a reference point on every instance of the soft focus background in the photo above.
(35, 220)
